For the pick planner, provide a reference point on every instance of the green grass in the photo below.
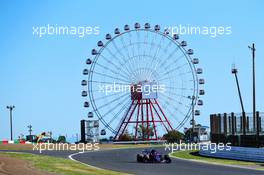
(192, 155)
(60, 165)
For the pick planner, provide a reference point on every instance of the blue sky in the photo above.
(41, 76)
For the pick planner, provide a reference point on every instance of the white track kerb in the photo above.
(71, 157)
(74, 154)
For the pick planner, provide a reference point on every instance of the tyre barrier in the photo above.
(14, 142)
(237, 153)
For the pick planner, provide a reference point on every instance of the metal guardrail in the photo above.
(237, 153)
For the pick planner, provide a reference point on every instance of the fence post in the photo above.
(233, 123)
(258, 128)
(244, 123)
(219, 123)
(225, 124)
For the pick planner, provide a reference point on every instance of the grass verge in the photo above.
(193, 155)
(60, 165)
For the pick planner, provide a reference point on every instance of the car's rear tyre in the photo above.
(167, 159)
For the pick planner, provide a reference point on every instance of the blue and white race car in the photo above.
(152, 156)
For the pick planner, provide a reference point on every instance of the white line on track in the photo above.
(71, 157)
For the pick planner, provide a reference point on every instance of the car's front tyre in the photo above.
(139, 158)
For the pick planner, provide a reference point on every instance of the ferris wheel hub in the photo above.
(144, 90)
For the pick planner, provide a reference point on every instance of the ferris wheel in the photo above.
(142, 78)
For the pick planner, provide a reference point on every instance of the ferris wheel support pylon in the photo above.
(140, 105)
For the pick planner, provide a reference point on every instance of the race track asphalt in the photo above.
(124, 160)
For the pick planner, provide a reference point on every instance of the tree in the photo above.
(125, 137)
(145, 132)
(61, 139)
(173, 136)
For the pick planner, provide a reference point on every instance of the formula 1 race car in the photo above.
(152, 156)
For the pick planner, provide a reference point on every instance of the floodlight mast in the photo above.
(29, 129)
(234, 71)
(255, 118)
(11, 107)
